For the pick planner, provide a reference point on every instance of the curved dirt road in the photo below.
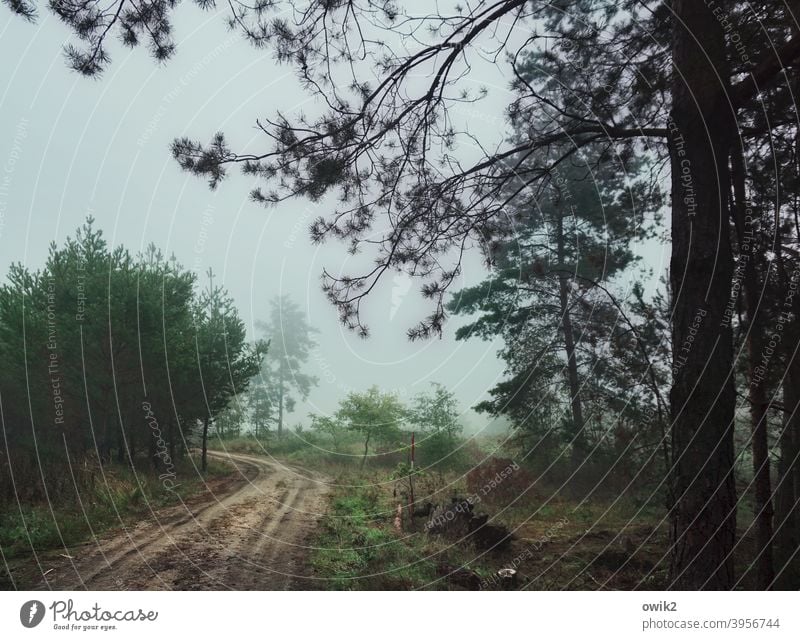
(251, 534)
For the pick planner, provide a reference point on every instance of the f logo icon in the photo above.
(31, 613)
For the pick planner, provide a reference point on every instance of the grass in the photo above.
(613, 541)
(120, 495)
(357, 546)
(609, 543)
(561, 542)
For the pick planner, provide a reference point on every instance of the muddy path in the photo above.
(250, 532)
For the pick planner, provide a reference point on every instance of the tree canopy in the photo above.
(698, 95)
(378, 416)
(114, 352)
(281, 379)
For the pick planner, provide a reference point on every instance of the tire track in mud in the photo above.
(253, 536)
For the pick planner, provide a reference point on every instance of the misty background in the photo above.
(72, 147)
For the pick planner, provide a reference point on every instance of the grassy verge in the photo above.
(558, 543)
(118, 496)
(359, 548)
(561, 541)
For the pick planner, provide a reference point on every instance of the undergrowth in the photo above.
(118, 495)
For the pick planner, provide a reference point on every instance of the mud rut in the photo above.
(251, 533)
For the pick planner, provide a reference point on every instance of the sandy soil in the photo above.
(248, 533)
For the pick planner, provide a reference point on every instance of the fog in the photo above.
(72, 147)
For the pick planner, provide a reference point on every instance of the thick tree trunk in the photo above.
(702, 398)
(762, 506)
(787, 516)
(204, 461)
(787, 493)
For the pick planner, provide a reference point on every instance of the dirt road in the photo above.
(248, 533)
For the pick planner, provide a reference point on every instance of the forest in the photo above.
(645, 431)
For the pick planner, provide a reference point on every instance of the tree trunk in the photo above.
(122, 446)
(204, 461)
(152, 451)
(366, 448)
(702, 397)
(105, 443)
(579, 439)
(762, 506)
(131, 447)
(280, 404)
(171, 432)
(787, 517)
(787, 491)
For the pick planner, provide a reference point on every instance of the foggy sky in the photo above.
(71, 146)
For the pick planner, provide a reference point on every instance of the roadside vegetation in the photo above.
(115, 365)
(539, 524)
(113, 496)
(623, 130)
(122, 370)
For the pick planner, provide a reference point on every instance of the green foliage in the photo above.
(435, 416)
(119, 496)
(436, 411)
(230, 422)
(329, 426)
(403, 471)
(226, 362)
(357, 547)
(571, 348)
(111, 353)
(376, 415)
